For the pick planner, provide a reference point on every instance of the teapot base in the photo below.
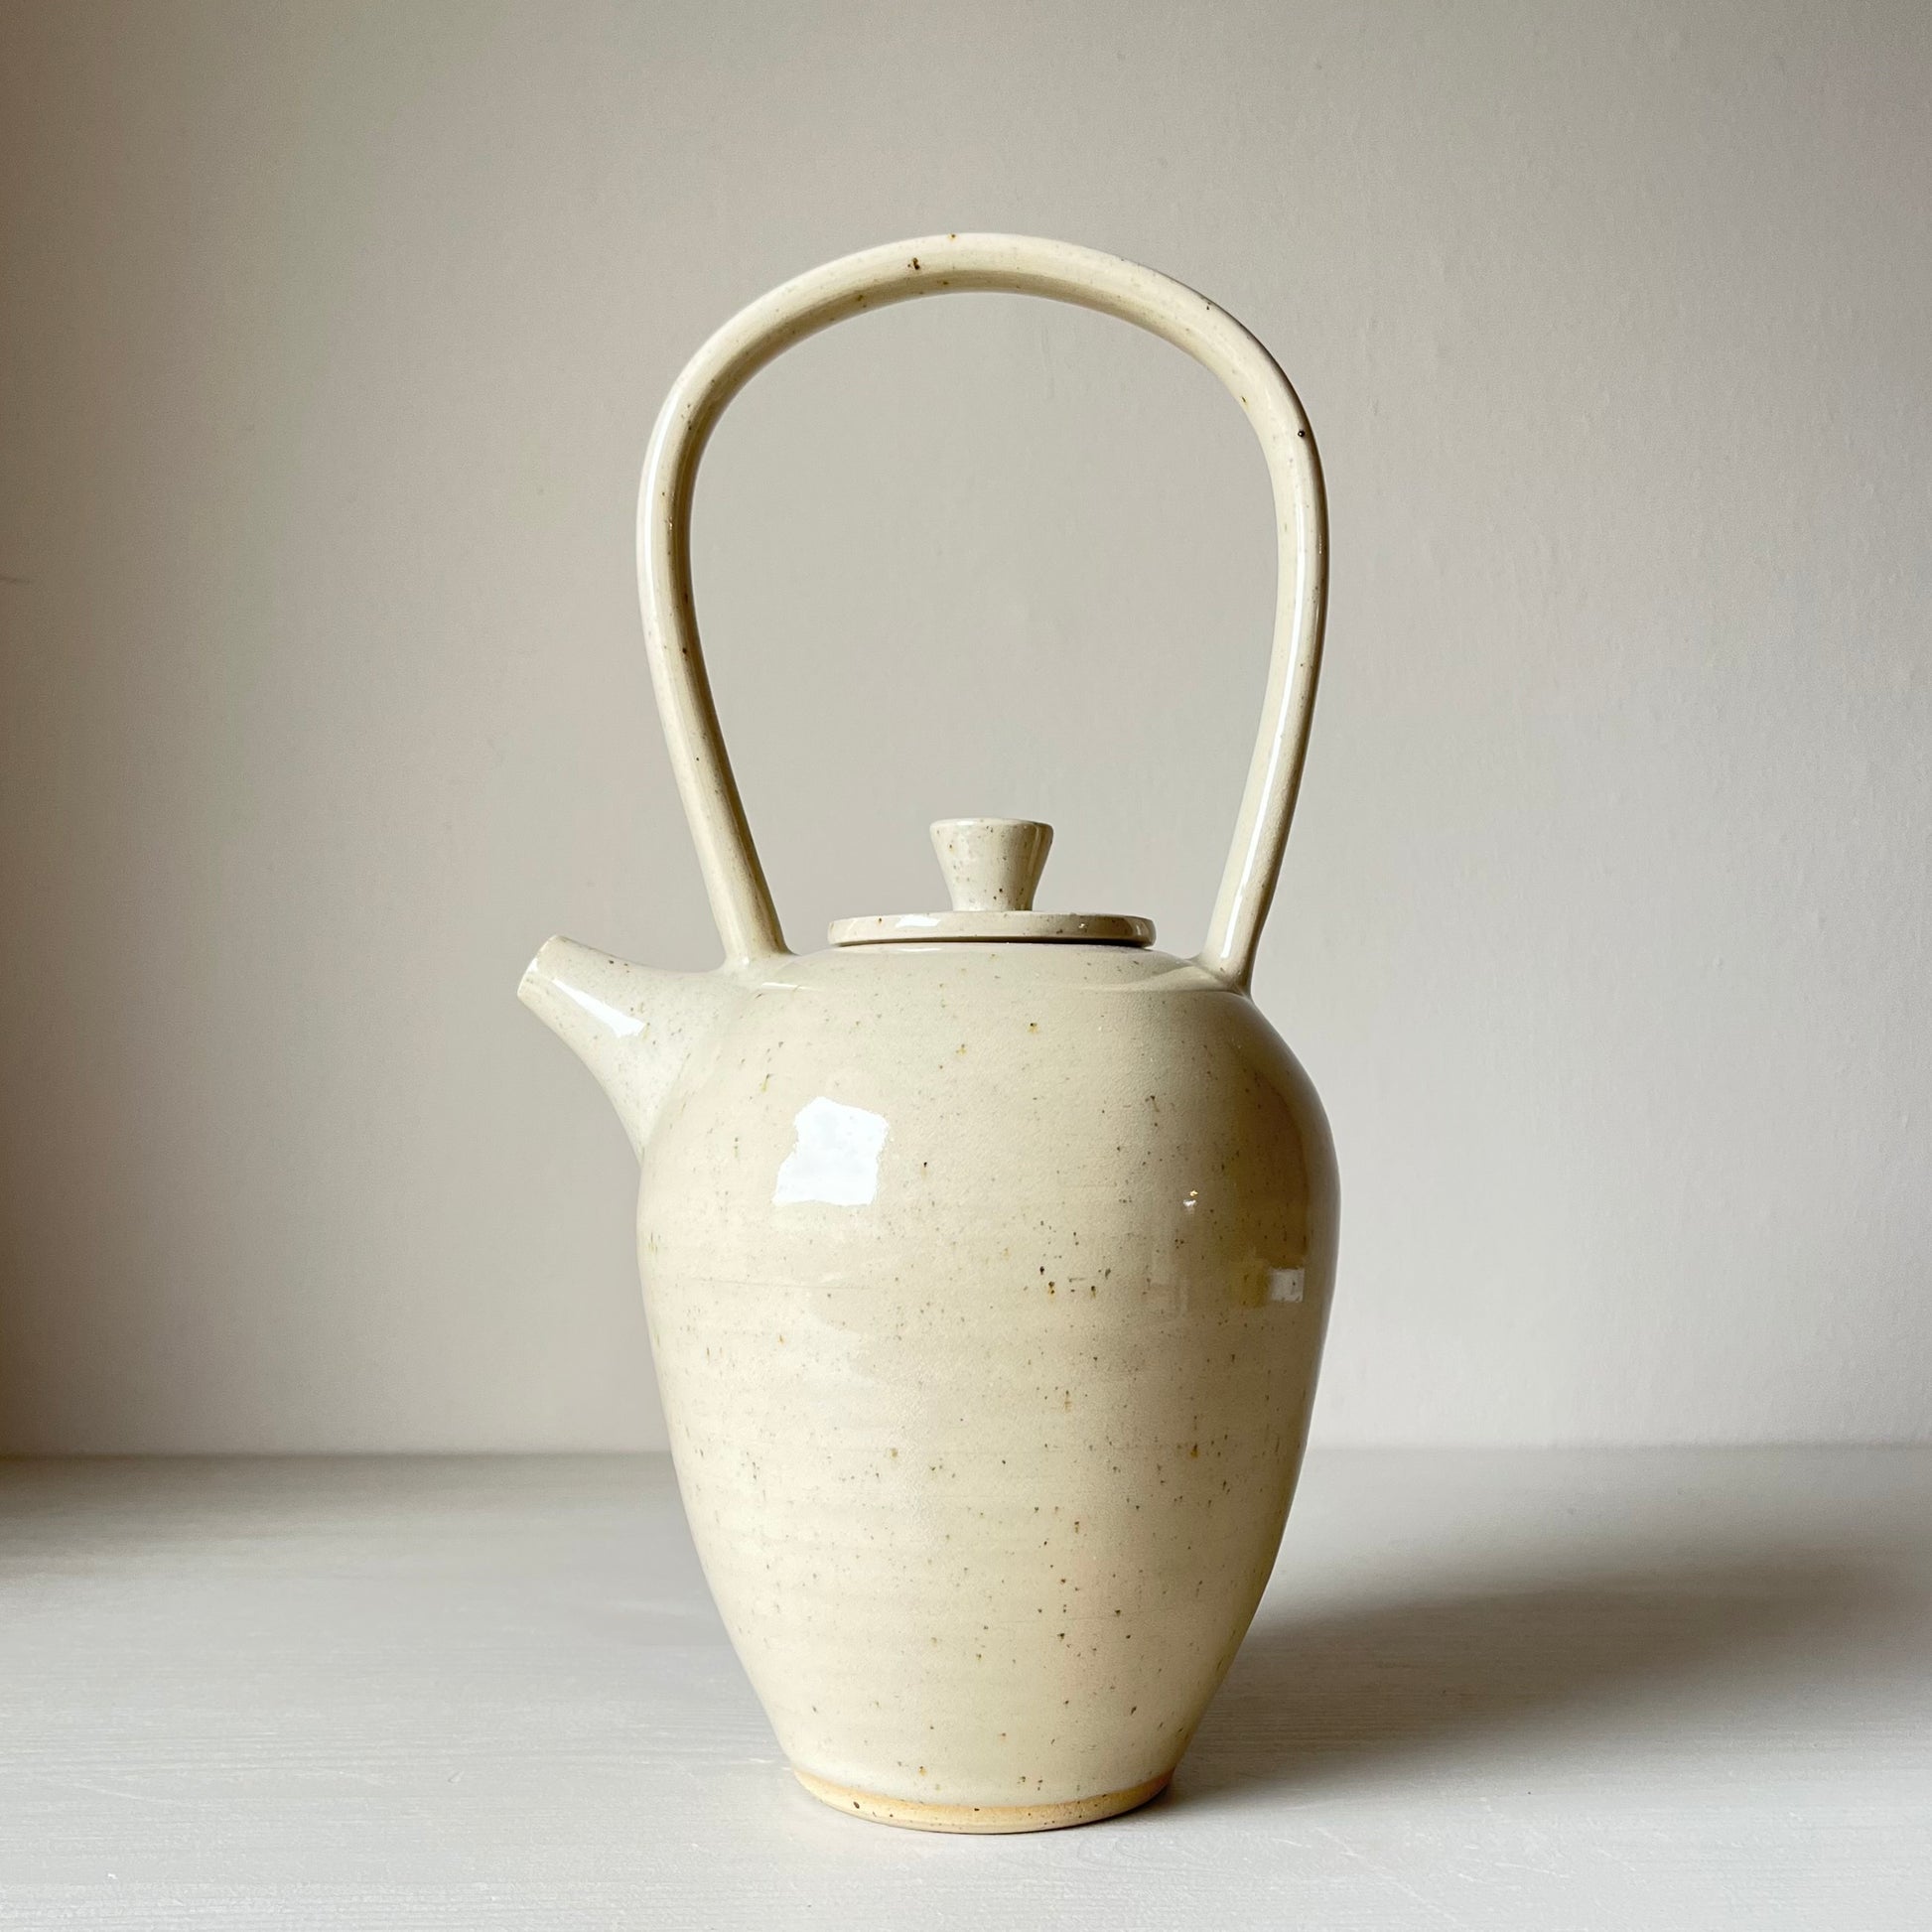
(916, 1815)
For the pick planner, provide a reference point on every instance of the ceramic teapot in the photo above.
(986, 1253)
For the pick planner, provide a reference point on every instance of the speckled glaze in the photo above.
(987, 1260)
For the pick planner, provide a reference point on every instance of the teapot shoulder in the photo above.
(1130, 1100)
(959, 1028)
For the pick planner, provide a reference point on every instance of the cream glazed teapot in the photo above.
(986, 1253)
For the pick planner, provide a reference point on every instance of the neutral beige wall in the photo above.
(332, 337)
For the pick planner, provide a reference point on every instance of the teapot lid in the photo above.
(991, 866)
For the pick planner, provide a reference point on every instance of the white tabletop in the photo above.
(1576, 1690)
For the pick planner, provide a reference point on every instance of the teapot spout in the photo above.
(633, 1026)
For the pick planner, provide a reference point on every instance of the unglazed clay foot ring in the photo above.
(919, 1817)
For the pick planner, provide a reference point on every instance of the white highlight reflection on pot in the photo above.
(835, 1159)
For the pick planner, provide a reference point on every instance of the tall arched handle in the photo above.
(740, 900)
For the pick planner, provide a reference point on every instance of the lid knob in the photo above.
(992, 865)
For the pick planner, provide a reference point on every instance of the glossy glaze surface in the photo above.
(986, 1287)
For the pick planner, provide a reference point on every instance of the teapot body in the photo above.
(986, 1288)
